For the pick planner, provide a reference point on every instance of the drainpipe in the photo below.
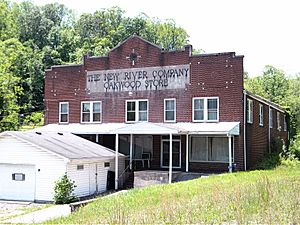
(269, 133)
(245, 147)
(230, 154)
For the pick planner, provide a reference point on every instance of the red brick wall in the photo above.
(257, 137)
(212, 75)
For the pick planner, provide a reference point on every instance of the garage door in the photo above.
(17, 182)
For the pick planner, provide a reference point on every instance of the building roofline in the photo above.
(135, 36)
(63, 66)
(265, 101)
(214, 54)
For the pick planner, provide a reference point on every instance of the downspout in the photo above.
(245, 147)
(269, 132)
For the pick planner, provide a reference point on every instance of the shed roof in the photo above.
(64, 144)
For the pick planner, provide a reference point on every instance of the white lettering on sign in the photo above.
(138, 79)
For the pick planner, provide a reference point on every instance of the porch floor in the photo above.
(151, 177)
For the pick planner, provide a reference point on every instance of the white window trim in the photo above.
(271, 121)
(165, 115)
(250, 111)
(136, 110)
(284, 123)
(59, 112)
(207, 161)
(205, 118)
(261, 115)
(278, 121)
(91, 111)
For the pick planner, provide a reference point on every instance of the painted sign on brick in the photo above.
(138, 79)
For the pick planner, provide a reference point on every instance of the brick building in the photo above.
(140, 98)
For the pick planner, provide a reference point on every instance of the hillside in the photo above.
(257, 197)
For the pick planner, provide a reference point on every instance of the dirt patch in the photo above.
(12, 209)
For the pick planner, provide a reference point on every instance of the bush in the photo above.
(63, 190)
(295, 147)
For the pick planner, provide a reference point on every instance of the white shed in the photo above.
(30, 163)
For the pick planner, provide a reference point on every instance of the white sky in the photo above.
(264, 31)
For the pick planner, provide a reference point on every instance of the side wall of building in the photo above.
(48, 167)
(260, 138)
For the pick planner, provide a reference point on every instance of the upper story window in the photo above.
(271, 118)
(278, 121)
(249, 111)
(284, 123)
(91, 112)
(136, 110)
(170, 110)
(261, 114)
(63, 112)
(206, 109)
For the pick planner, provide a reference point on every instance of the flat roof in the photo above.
(219, 128)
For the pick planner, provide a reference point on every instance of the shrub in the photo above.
(295, 147)
(63, 190)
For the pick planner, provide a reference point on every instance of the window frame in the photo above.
(91, 112)
(137, 116)
(60, 114)
(278, 121)
(261, 114)
(284, 123)
(270, 118)
(165, 110)
(205, 109)
(207, 145)
(249, 112)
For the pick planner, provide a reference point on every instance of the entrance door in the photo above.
(165, 153)
(93, 178)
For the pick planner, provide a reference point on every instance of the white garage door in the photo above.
(17, 182)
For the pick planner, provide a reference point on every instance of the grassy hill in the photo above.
(271, 196)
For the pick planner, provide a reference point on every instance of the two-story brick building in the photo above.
(164, 108)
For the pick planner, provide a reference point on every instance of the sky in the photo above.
(266, 32)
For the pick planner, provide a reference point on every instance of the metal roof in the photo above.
(64, 144)
(220, 128)
(145, 128)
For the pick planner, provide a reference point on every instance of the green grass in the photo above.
(271, 197)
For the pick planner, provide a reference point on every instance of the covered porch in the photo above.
(170, 149)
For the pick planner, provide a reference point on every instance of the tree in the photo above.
(274, 84)
(8, 23)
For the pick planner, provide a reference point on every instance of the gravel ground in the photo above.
(9, 209)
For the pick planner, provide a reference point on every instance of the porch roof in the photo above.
(220, 128)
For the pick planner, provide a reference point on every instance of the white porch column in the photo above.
(117, 162)
(131, 151)
(187, 154)
(170, 160)
(230, 155)
(97, 138)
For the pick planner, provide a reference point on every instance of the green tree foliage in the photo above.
(33, 38)
(285, 91)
